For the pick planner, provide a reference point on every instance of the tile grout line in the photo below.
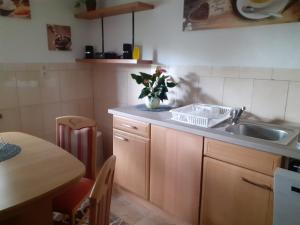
(286, 100)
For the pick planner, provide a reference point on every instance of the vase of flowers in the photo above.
(156, 87)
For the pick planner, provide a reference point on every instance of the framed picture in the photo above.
(212, 14)
(15, 8)
(59, 37)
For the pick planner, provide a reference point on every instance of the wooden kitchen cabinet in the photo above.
(132, 165)
(232, 195)
(175, 172)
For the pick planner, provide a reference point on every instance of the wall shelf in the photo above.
(115, 61)
(114, 10)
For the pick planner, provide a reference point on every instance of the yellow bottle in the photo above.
(136, 53)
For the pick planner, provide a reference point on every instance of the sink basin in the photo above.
(265, 132)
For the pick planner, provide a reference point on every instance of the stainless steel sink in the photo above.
(270, 133)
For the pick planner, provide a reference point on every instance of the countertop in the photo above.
(163, 118)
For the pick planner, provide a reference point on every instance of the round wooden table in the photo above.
(30, 180)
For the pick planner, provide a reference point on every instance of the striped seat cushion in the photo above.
(79, 143)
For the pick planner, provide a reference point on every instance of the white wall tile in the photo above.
(293, 103)
(203, 70)
(225, 71)
(86, 108)
(50, 113)
(10, 120)
(32, 120)
(50, 87)
(83, 84)
(134, 90)
(30, 96)
(269, 99)
(187, 91)
(210, 90)
(68, 85)
(286, 74)
(238, 92)
(29, 91)
(256, 73)
(111, 85)
(70, 108)
(8, 90)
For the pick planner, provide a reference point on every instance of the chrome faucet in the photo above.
(236, 115)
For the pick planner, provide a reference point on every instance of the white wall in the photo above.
(161, 30)
(23, 40)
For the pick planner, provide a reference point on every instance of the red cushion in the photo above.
(70, 199)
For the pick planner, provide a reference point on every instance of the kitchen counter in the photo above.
(163, 118)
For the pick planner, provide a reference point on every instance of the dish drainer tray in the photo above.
(202, 115)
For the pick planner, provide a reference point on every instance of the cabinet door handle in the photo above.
(121, 138)
(263, 186)
(129, 126)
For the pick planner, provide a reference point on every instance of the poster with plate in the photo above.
(59, 38)
(213, 14)
(15, 8)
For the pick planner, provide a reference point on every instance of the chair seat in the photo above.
(72, 198)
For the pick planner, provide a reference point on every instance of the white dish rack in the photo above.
(202, 115)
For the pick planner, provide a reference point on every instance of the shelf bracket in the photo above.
(102, 34)
(133, 29)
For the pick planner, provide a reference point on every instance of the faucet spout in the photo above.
(236, 115)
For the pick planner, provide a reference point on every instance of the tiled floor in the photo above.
(134, 213)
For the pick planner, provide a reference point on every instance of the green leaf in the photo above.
(171, 84)
(163, 96)
(137, 78)
(161, 80)
(145, 92)
(146, 76)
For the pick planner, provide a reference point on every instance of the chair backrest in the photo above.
(77, 135)
(100, 197)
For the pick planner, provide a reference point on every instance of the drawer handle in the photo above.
(263, 186)
(121, 138)
(129, 126)
(295, 189)
(1, 116)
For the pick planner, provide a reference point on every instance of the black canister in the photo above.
(89, 52)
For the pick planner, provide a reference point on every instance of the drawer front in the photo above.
(132, 166)
(248, 158)
(132, 126)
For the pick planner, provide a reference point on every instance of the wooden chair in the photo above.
(77, 135)
(100, 197)
(98, 210)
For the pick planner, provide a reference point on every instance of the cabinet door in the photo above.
(175, 172)
(235, 196)
(132, 166)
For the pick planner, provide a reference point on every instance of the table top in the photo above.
(40, 170)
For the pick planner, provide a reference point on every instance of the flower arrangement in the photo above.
(156, 86)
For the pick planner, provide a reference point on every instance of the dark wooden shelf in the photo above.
(114, 10)
(114, 61)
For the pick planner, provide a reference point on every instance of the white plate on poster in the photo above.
(273, 6)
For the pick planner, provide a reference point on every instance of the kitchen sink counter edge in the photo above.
(163, 118)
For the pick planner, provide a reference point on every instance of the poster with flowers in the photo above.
(212, 14)
(15, 8)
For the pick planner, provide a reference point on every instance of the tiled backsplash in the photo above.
(33, 95)
(269, 94)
